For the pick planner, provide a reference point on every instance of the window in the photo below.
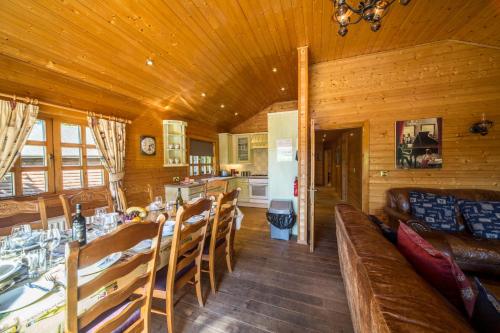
(57, 156)
(200, 158)
(30, 174)
(80, 159)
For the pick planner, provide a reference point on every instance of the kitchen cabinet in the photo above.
(244, 190)
(241, 148)
(232, 184)
(174, 143)
(225, 148)
(188, 192)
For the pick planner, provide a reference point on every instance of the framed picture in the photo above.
(419, 144)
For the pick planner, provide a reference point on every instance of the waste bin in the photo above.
(281, 218)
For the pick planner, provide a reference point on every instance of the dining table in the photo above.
(46, 313)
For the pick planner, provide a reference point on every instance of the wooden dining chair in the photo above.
(127, 308)
(215, 187)
(135, 195)
(89, 199)
(185, 257)
(219, 241)
(13, 213)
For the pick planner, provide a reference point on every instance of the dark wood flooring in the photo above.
(276, 286)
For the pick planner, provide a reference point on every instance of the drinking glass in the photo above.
(159, 201)
(4, 246)
(99, 215)
(33, 261)
(109, 224)
(50, 240)
(21, 230)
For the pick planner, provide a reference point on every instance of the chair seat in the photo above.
(110, 314)
(206, 249)
(161, 276)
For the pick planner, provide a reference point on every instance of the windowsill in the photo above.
(49, 194)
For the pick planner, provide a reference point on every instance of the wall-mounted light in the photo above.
(149, 62)
(481, 127)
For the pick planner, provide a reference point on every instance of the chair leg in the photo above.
(197, 278)
(170, 313)
(229, 260)
(211, 265)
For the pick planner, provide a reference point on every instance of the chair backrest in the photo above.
(89, 199)
(135, 195)
(122, 239)
(35, 212)
(187, 243)
(224, 218)
(215, 187)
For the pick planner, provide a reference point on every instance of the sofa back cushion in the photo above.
(384, 292)
(438, 211)
(482, 217)
(437, 269)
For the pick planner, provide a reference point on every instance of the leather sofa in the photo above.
(472, 254)
(384, 293)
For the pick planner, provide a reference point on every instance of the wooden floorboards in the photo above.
(276, 286)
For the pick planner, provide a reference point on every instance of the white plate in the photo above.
(23, 296)
(7, 268)
(100, 265)
(142, 246)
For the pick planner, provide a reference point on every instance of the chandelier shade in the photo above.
(372, 11)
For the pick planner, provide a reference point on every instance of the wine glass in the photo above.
(4, 246)
(50, 240)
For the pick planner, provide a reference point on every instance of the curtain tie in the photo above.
(116, 177)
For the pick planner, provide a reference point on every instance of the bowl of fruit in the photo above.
(135, 214)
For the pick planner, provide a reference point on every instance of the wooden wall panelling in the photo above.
(141, 169)
(452, 80)
(258, 123)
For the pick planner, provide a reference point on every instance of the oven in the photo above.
(258, 189)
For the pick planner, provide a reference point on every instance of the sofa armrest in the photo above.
(395, 216)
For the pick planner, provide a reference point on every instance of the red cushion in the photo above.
(437, 269)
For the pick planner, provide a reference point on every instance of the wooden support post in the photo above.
(303, 107)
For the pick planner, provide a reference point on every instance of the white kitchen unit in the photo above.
(258, 191)
(188, 192)
(174, 143)
(225, 148)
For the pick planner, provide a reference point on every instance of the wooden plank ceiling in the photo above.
(91, 54)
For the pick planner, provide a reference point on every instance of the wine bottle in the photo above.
(79, 228)
(178, 201)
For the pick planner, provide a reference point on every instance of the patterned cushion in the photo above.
(482, 217)
(439, 212)
(437, 269)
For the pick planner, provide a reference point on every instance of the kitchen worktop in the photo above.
(206, 180)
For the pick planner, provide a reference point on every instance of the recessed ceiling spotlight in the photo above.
(222, 106)
(236, 113)
(203, 94)
(275, 69)
(283, 88)
(149, 62)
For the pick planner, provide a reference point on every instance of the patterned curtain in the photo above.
(109, 136)
(16, 121)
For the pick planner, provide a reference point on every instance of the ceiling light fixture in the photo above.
(275, 69)
(203, 94)
(283, 89)
(222, 106)
(149, 62)
(236, 113)
(372, 11)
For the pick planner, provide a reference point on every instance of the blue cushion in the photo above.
(206, 249)
(110, 314)
(439, 212)
(482, 217)
(161, 276)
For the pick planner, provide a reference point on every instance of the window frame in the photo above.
(199, 164)
(53, 150)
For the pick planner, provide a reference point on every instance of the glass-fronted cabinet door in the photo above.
(243, 149)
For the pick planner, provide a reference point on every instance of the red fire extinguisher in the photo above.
(296, 187)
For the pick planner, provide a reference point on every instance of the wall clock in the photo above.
(148, 145)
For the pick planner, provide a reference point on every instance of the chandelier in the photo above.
(372, 11)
